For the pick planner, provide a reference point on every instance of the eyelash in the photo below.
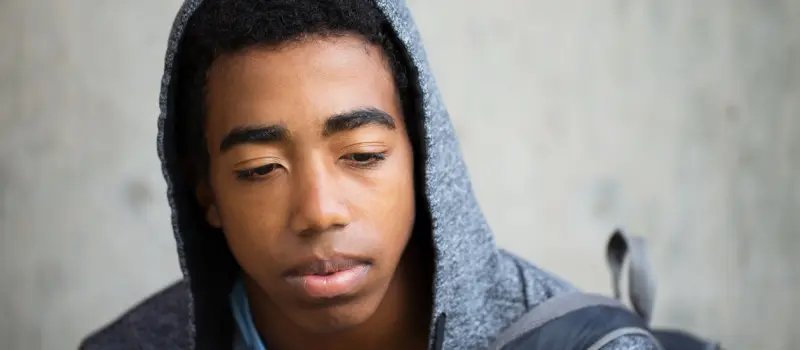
(256, 173)
(372, 160)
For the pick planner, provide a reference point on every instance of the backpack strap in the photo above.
(559, 306)
(590, 322)
(641, 280)
(642, 287)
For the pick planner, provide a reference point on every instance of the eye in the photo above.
(364, 160)
(257, 173)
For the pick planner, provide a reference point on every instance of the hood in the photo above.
(466, 259)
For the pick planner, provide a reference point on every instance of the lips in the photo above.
(331, 278)
(324, 267)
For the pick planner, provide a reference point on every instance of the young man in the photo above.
(319, 197)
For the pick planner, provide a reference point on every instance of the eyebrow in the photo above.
(253, 134)
(357, 118)
(347, 121)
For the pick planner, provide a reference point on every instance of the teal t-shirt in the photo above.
(247, 337)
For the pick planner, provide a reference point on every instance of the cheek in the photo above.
(386, 201)
(252, 220)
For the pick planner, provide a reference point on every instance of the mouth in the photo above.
(326, 279)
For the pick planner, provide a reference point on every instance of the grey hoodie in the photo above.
(479, 290)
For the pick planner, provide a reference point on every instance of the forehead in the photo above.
(298, 84)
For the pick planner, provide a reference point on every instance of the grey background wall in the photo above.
(678, 120)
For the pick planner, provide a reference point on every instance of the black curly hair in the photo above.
(221, 27)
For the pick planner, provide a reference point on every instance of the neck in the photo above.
(401, 320)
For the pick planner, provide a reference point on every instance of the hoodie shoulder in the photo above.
(161, 321)
(537, 284)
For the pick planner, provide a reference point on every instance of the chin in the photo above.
(338, 315)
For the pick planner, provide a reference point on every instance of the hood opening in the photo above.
(449, 227)
(207, 262)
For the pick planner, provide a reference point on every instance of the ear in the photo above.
(205, 196)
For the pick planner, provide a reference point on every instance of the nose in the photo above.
(318, 203)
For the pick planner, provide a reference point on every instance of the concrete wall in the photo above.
(678, 120)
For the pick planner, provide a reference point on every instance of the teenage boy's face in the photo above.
(310, 175)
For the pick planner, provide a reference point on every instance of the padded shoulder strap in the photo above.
(549, 310)
(641, 280)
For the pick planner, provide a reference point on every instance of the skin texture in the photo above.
(315, 193)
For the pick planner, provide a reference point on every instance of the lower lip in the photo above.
(330, 286)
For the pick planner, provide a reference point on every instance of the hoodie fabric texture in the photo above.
(479, 290)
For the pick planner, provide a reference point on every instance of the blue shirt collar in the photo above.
(247, 337)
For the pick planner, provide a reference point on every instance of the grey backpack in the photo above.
(579, 321)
